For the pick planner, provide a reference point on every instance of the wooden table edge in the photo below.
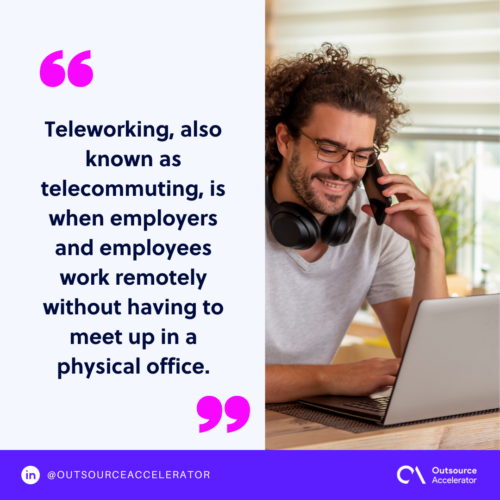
(474, 432)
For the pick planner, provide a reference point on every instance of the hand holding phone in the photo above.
(378, 201)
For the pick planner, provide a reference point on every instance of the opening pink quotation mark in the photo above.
(236, 408)
(79, 74)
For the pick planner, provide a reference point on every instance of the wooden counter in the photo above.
(480, 432)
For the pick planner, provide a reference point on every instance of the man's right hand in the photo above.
(360, 378)
(291, 382)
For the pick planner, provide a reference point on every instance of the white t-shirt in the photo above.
(309, 306)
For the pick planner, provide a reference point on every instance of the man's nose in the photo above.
(345, 168)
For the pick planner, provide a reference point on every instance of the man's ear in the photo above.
(284, 141)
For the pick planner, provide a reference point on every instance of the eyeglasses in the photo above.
(334, 154)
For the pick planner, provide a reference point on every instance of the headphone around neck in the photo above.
(294, 226)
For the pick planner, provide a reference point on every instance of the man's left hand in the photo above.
(413, 217)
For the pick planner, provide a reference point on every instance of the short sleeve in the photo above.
(395, 273)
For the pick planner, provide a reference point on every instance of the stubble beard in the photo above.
(300, 181)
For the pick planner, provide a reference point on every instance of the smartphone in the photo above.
(373, 189)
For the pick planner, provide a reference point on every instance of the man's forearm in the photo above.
(291, 382)
(430, 283)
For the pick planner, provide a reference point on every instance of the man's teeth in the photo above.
(338, 186)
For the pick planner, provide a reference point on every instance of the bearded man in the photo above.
(327, 119)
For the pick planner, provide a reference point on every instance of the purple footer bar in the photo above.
(249, 474)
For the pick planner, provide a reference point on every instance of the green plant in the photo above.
(450, 196)
(450, 192)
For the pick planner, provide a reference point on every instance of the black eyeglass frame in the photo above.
(318, 143)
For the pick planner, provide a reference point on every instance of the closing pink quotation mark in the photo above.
(210, 408)
(236, 408)
(79, 75)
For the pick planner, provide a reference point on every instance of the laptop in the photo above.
(450, 366)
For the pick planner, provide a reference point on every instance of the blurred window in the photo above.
(460, 170)
(447, 50)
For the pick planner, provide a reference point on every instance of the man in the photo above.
(322, 100)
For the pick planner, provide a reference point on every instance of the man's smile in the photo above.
(333, 186)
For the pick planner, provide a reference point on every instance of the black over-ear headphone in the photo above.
(294, 226)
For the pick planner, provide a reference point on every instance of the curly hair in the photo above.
(326, 76)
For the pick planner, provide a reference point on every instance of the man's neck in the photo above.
(314, 253)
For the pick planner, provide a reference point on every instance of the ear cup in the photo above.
(294, 226)
(338, 230)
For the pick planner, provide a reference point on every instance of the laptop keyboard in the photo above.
(378, 404)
